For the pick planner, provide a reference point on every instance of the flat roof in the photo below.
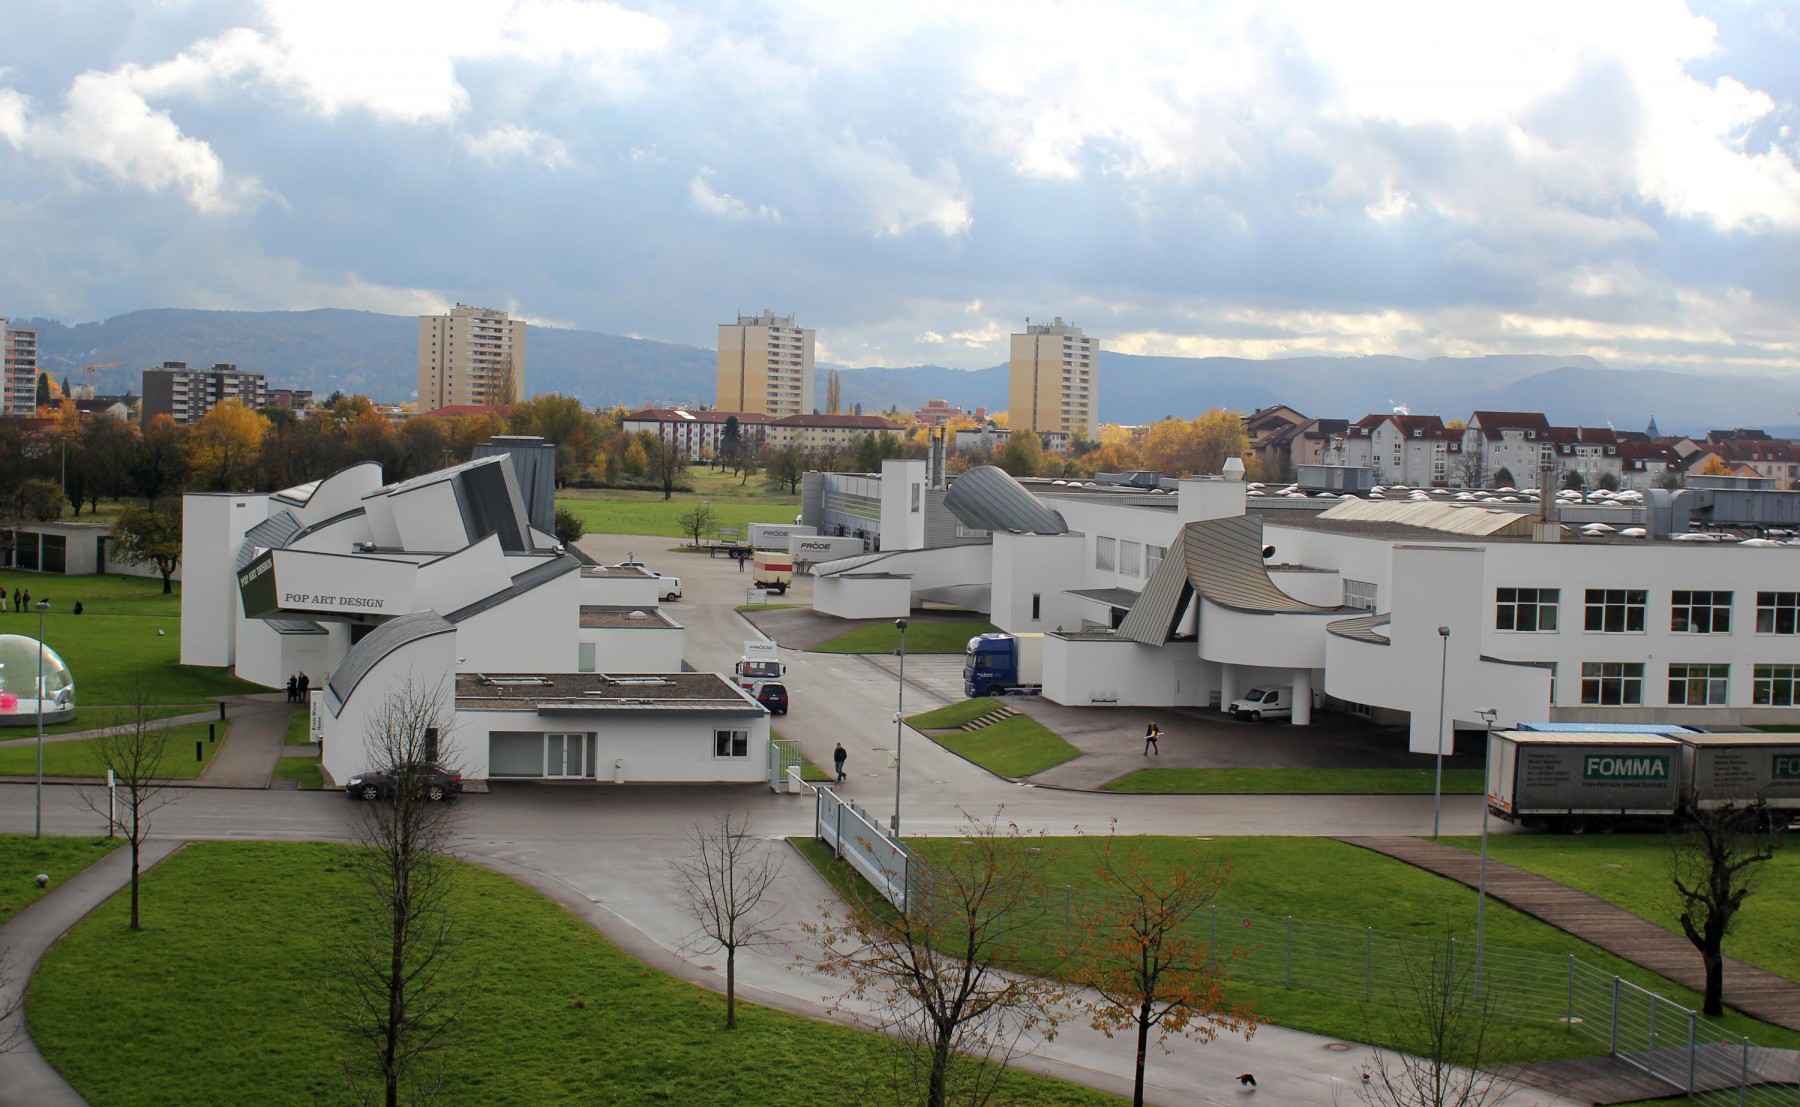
(638, 693)
(606, 617)
(614, 571)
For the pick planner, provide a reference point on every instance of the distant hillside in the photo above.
(359, 351)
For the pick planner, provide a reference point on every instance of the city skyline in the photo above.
(1614, 180)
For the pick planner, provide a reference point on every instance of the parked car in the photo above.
(774, 696)
(432, 783)
(1267, 702)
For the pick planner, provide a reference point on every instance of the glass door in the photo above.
(565, 756)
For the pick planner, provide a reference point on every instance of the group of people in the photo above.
(297, 687)
(21, 601)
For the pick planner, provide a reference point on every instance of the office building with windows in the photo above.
(765, 365)
(472, 356)
(18, 369)
(1055, 380)
(186, 395)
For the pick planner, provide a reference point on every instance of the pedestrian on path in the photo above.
(838, 757)
(305, 683)
(741, 558)
(17, 606)
(1151, 734)
(293, 689)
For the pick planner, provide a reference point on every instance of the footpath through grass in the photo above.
(951, 637)
(23, 857)
(1295, 781)
(615, 511)
(564, 1017)
(80, 757)
(1632, 871)
(1015, 747)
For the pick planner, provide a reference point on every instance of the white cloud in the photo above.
(723, 204)
(895, 199)
(510, 142)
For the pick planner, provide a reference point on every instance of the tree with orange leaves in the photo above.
(1146, 964)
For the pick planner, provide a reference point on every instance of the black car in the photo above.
(431, 782)
(773, 695)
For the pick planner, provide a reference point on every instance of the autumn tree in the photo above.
(730, 879)
(41, 500)
(132, 749)
(1714, 466)
(370, 437)
(1712, 865)
(1180, 446)
(1023, 454)
(566, 424)
(223, 444)
(933, 970)
(1143, 960)
(786, 468)
(149, 536)
(106, 448)
(834, 392)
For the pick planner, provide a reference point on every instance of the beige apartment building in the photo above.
(471, 356)
(18, 369)
(765, 365)
(1054, 384)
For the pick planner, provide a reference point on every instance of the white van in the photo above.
(1264, 702)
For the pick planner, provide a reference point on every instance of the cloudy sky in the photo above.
(915, 179)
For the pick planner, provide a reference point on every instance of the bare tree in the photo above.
(395, 997)
(1443, 1031)
(12, 1007)
(1144, 961)
(933, 970)
(1471, 468)
(1712, 864)
(132, 748)
(727, 877)
(696, 523)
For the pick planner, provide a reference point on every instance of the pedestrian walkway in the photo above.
(246, 759)
(200, 715)
(1755, 992)
(25, 1077)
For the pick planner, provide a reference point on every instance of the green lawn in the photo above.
(1296, 781)
(1631, 870)
(605, 511)
(104, 594)
(304, 769)
(920, 638)
(23, 857)
(564, 1017)
(299, 728)
(1015, 747)
(1333, 891)
(953, 715)
(89, 716)
(77, 757)
(111, 655)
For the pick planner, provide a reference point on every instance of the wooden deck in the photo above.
(1756, 992)
(1608, 1080)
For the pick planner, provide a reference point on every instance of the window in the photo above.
(1612, 683)
(736, 743)
(1700, 612)
(915, 499)
(1104, 551)
(1528, 610)
(1153, 556)
(1775, 685)
(1037, 606)
(1776, 612)
(1615, 610)
(1697, 685)
(1359, 593)
(1128, 557)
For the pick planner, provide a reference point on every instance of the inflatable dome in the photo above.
(20, 697)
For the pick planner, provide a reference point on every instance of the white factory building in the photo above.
(550, 667)
(1188, 599)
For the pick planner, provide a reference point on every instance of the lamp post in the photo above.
(37, 821)
(1487, 716)
(1437, 789)
(899, 724)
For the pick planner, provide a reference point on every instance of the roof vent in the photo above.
(637, 615)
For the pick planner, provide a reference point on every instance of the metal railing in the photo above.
(783, 755)
(865, 844)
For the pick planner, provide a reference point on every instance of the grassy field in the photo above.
(1015, 747)
(304, 769)
(952, 637)
(953, 715)
(104, 594)
(23, 857)
(1631, 870)
(77, 756)
(606, 511)
(93, 717)
(1330, 888)
(1295, 781)
(299, 728)
(564, 1017)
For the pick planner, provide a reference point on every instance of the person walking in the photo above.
(741, 558)
(16, 605)
(838, 757)
(293, 689)
(1151, 734)
(305, 683)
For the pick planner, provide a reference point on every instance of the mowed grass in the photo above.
(299, 728)
(1295, 781)
(79, 757)
(306, 770)
(950, 637)
(562, 1017)
(102, 594)
(1015, 747)
(606, 511)
(953, 715)
(1632, 871)
(97, 716)
(22, 858)
(111, 655)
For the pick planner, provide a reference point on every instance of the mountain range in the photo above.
(359, 351)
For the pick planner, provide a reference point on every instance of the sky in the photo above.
(916, 180)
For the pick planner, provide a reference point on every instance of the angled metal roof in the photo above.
(988, 498)
(850, 564)
(1362, 628)
(1225, 564)
(381, 641)
(271, 534)
(1152, 619)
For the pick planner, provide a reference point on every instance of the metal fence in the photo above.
(783, 755)
(1668, 1041)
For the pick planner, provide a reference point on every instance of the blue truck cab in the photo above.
(1003, 664)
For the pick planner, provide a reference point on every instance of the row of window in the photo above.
(1123, 556)
(1704, 684)
(1622, 611)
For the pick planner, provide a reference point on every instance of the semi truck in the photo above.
(772, 570)
(814, 549)
(761, 662)
(1004, 665)
(1577, 782)
(776, 535)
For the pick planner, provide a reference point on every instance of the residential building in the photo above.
(1055, 380)
(1774, 458)
(1509, 444)
(828, 432)
(18, 369)
(113, 407)
(937, 412)
(186, 395)
(471, 356)
(987, 438)
(766, 366)
(294, 399)
(698, 434)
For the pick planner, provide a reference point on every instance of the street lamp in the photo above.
(1437, 789)
(1487, 716)
(37, 822)
(899, 723)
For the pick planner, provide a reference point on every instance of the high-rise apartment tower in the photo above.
(1055, 379)
(18, 369)
(471, 356)
(186, 395)
(766, 365)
